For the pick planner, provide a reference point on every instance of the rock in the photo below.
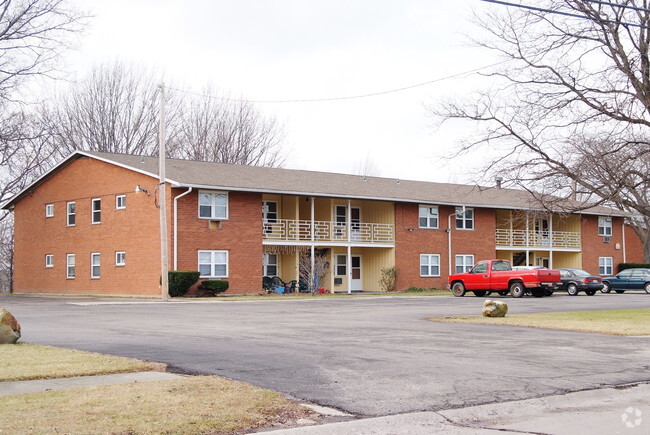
(9, 328)
(494, 308)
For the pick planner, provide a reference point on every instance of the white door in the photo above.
(356, 282)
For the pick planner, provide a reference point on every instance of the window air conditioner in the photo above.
(606, 239)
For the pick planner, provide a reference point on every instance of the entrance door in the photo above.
(356, 283)
(542, 230)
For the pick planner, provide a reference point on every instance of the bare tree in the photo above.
(569, 108)
(315, 274)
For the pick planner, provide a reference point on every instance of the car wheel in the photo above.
(479, 293)
(647, 287)
(606, 288)
(590, 292)
(503, 292)
(517, 290)
(619, 291)
(458, 289)
(572, 289)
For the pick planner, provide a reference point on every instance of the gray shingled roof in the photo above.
(290, 181)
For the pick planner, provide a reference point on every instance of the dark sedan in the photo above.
(628, 279)
(577, 280)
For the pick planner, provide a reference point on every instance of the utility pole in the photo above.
(162, 187)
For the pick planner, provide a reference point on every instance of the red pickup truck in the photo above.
(497, 275)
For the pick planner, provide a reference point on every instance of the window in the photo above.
(120, 202)
(341, 265)
(428, 217)
(480, 267)
(71, 210)
(269, 215)
(70, 269)
(605, 266)
(429, 265)
(94, 265)
(96, 216)
(270, 263)
(213, 205)
(464, 263)
(464, 219)
(49, 210)
(49, 260)
(120, 258)
(213, 264)
(604, 226)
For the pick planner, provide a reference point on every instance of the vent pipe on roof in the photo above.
(398, 181)
(499, 180)
(141, 158)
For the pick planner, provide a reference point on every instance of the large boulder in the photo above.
(9, 327)
(494, 308)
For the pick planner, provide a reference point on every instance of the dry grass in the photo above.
(193, 405)
(24, 361)
(629, 322)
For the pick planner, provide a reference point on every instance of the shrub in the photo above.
(419, 289)
(213, 286)
(388, 281)
(623, 266)
(180, 281)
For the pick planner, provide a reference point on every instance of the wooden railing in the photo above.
(537, 239)
(327, 231)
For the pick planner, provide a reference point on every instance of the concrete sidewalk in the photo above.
(39, 385)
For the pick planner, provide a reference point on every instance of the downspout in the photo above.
(449, 240)
(176, 226)
(624, 244)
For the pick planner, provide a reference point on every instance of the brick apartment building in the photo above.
(90, 225)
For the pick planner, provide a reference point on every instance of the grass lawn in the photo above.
(190, 405)
(630, 322)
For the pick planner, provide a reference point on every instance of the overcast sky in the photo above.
(312, 49)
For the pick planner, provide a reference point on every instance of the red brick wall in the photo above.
(240, 235)
(410, 244)
(594, 247)
(134, 230)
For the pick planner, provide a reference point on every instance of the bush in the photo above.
(180, 281)
(623, 266)
(388, 281)
(213, 286)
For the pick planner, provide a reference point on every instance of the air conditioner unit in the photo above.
(606, 239)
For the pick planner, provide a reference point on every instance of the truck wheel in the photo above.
(458, 289)
(517, 290)
(548, 292)
(572, 289)
(479, 293)
(503, 292)
(606, 288)
(590, 292)
(538, 293)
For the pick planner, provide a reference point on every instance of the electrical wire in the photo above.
(349, 97)
(618, 5)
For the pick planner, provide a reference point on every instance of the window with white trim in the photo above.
(341, 265)
(605, 266)
(95, 265)
(428, 216)
(120, 202)
(71, 209)
(49, 260)
(70, 266)
(49, 210)
(120, 258)
(429, 264)
(213, 264)
(96, 214)
(464, 263)
(464, 219)
(270, 263)
(213, 205)
(604, 226)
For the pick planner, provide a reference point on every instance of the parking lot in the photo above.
(368, 356)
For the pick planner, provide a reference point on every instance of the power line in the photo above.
(568, 14)
(348, 97)
(618, 5)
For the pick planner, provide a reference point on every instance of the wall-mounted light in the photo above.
(411, 229)
(138, 188)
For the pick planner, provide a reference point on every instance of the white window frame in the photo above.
(605, 266)
(94, 275)
(267, 263)
(49, 261)
(426, 261)
(120, 202)
(341, 260)
(49, 210)
(213, 264)
(425, 212)
(464, 263)
(604, 226)
(70, 266)
(71, 214)
(463, 219)
(96, 211)
(120, 258)
(214, 215)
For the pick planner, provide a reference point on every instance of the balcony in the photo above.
(288, 230)
(537, 239)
